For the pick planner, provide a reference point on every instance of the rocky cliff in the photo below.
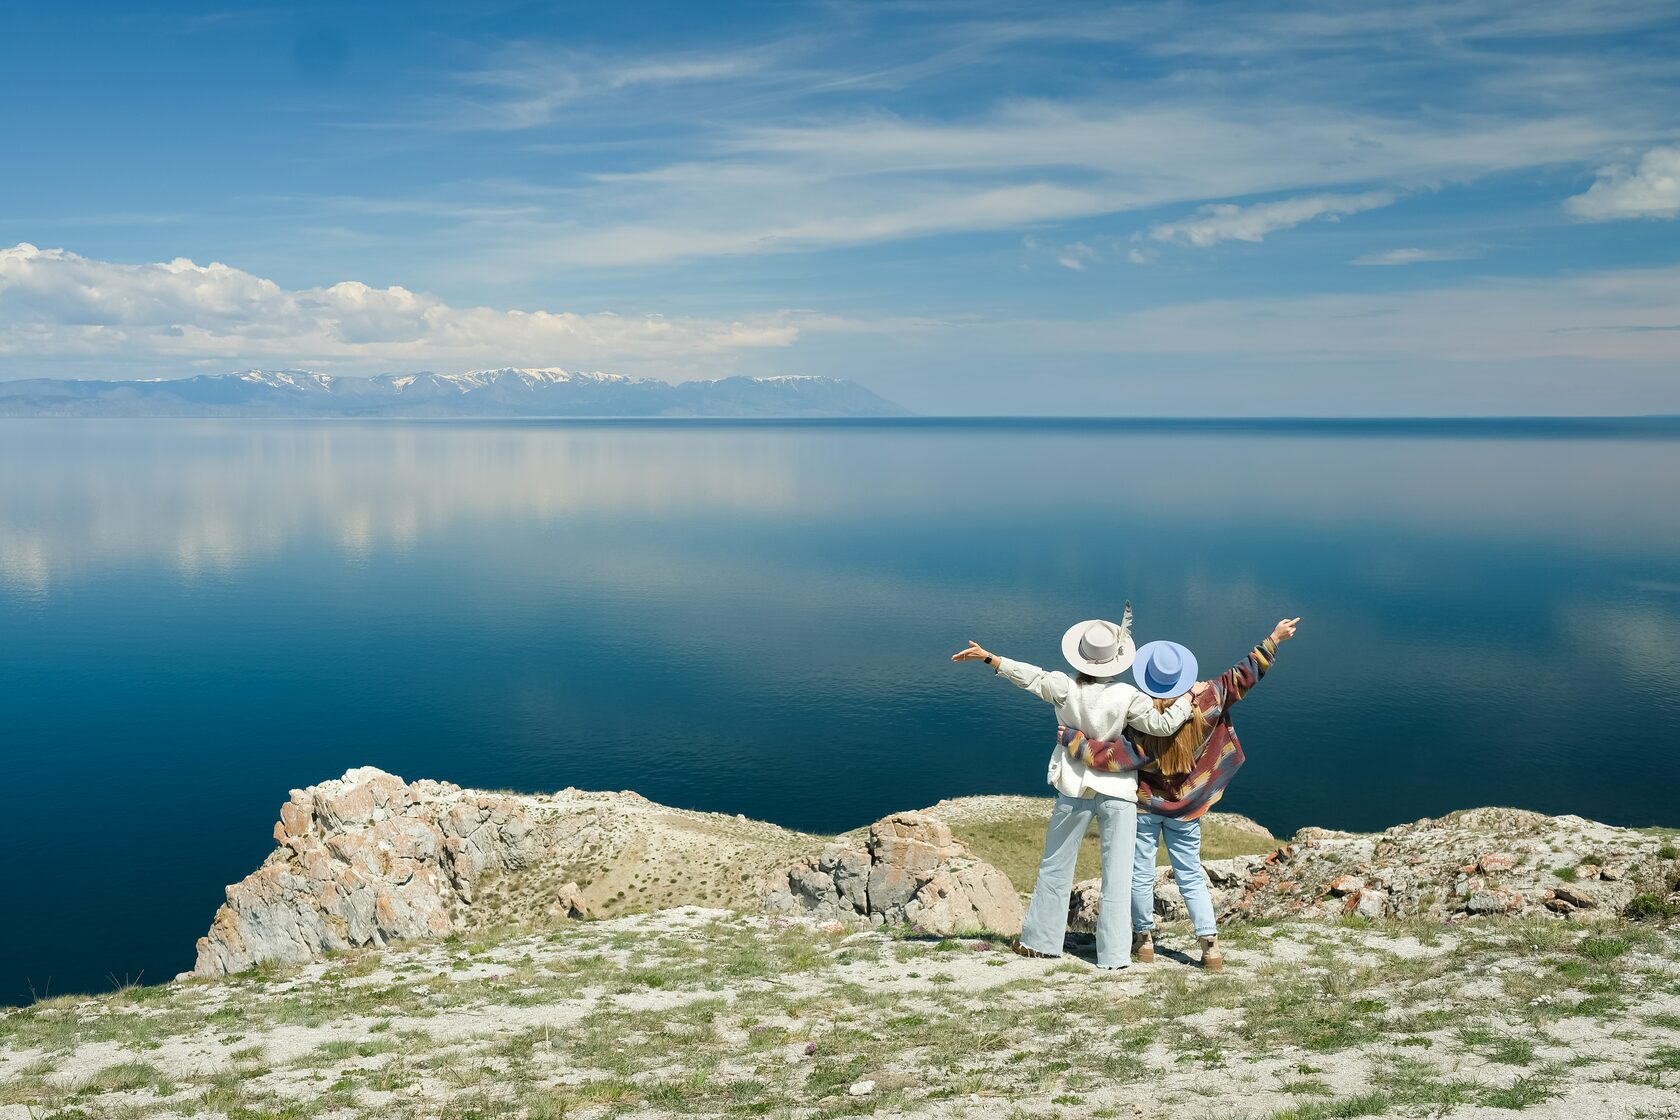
(1497, 972)
(368, 859)
(1477, 862)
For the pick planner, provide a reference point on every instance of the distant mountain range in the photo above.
(482, 393)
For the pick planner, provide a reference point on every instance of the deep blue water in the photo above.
(197, 616)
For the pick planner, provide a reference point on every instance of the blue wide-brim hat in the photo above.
(1164, 669)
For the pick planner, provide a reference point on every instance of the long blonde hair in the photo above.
(1175, 754)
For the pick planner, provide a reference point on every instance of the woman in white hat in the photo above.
(1102, 707)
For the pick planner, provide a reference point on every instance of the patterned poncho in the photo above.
(1184, 796)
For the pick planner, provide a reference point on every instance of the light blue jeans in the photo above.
(1184, 851)
(1046, 922)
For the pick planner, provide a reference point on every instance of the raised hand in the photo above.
(1285, 629)
(974, 652)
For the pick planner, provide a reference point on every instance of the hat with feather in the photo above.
(1099, 648)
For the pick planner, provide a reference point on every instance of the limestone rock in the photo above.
(904, 850)
(911, 872)
(569, 903)
(363, 860)
(1446, 868)
(368, 859)
(1577, 895)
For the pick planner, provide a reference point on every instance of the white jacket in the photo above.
(1102, 710)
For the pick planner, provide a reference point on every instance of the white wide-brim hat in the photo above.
(1099, 648)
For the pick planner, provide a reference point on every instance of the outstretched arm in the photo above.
(1050, 687)
(1233, 684)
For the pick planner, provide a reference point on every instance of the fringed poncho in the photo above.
(1184, 796)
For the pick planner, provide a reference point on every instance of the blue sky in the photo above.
(1153, 209)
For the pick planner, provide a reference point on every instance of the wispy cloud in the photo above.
(60, 306)
(1392, 257)
(864, 181)
(1648, 189)
(528, 85)
(1622, 315)
(816, 137)
(1229, 222)
(1076, 255)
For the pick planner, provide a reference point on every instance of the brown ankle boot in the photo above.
(1143, 947)
(1212, 959)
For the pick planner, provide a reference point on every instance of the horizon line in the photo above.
(921, 418)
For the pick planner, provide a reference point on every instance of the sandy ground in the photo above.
(705, 1012)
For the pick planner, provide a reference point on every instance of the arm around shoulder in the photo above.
(1142, 715)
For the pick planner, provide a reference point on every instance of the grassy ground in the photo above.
(1013, 843)
(704, 1013)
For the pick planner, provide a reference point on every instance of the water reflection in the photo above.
(195, 617)
(209, 497)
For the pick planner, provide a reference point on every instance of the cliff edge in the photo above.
(368, 860)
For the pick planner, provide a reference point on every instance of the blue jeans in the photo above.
(1184, 851)
(1046, 922)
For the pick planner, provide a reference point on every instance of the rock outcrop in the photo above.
(1466, 864)
(911, 871)
(368, 859)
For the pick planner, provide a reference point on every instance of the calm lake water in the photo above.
(196, 617)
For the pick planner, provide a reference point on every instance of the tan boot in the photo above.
(1212, 959)
(1143, 947)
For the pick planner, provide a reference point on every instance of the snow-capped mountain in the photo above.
(486, 392)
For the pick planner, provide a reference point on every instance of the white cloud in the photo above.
(1074, 256)
(879, 178)
(56, 305)
(1413, 256)
(1228, 222)
(1651, 189)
